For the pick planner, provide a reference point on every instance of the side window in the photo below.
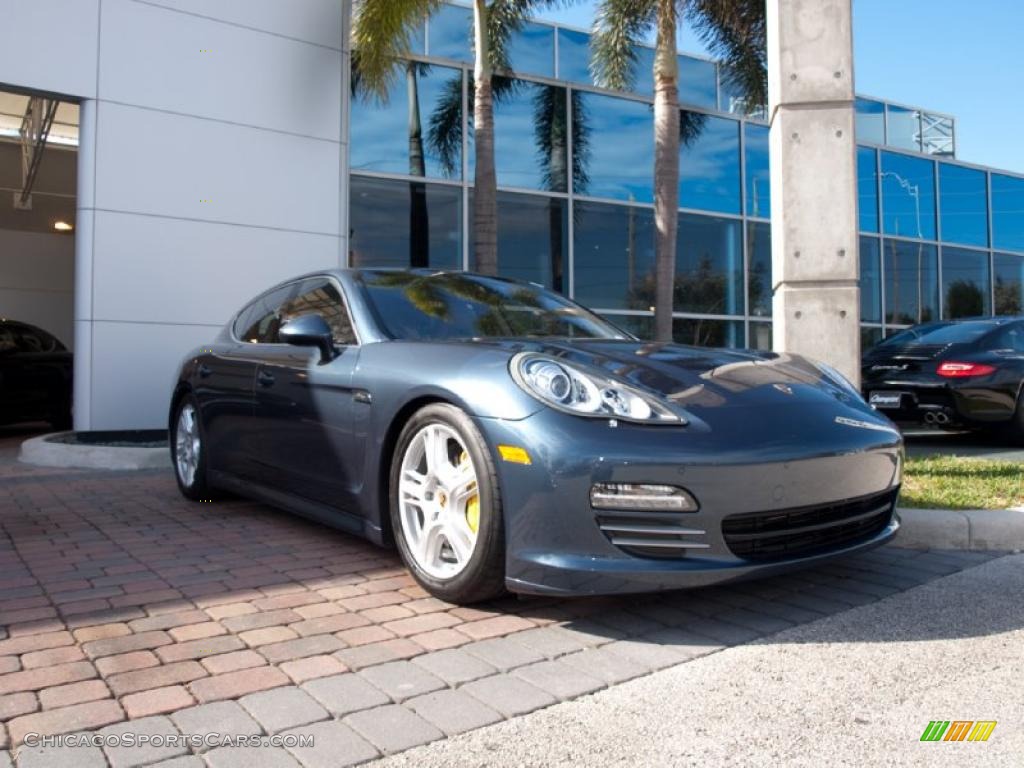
(37, 340)
(320, 296)
(260, 323)
(1011, 337)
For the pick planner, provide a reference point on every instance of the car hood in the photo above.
(697, 378)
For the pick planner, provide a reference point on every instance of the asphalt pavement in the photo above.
(854, 689)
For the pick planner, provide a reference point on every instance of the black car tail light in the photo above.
(957, 370)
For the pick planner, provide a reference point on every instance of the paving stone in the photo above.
(223, 717)
(197, 649)
(196, 631)
(344, 694)
(283, 708)
(231, 685)
(155, 677)
(52, 656)
(301, 647)
(19, 645)
(61, 757)
(80, 717)
(590, 633)
(168, 620)
(312, 667)
(502, 653)
(142, 753)
(549, 641)
(650, 654)
(250, 757)
(254, 638)
(15, 704)
(74, 693)
(9, 664)
(117, 645)
(46, 677)
(629, 623)
(610, 667)
(334, 745)
(126, 662)
(393, 728)
(560, 680)
(186, 761)
(453, 711)
(401, 679)
(378, 653)
(497, 626)
(720, 631)
(327, 624)
(454, 666)
(508, 695)
(158, 701)
(260, 620)
(759, 622)
(231, 662)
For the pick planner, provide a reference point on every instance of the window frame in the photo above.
(343, 295)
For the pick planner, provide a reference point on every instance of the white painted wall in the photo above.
(37, 280)
(213, 163)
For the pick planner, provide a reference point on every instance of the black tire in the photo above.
(1016, 430)
(199, 490)
(483, 577)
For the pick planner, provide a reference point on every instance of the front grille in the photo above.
(651, 534)
(786, 533)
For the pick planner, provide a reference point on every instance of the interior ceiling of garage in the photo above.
(53, 195)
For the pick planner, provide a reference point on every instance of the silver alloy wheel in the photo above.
(438, 501)
(187, 445)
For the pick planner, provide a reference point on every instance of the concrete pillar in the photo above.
(815, 262)
(85, 217)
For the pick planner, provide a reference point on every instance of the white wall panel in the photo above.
(133, 367)
(170, 165)
(170, 271)
(49, 45)
(317, 21)
(158, 58)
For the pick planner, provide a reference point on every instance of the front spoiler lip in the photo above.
(583, 581)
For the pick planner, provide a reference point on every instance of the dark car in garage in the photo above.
(955, 373)
(35, 376)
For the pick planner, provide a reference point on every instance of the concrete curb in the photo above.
(975, 529)
(45, 453)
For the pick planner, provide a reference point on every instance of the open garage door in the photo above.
(38, 168)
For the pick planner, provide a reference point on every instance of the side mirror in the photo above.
(309, 331)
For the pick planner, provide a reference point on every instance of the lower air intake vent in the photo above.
(651, 534)
(787, 533)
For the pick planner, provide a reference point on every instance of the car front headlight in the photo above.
(567, 388)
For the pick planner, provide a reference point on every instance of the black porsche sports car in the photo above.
(966, 373)
(35, 376)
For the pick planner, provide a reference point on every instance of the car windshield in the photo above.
(449, 305)
(941, 333)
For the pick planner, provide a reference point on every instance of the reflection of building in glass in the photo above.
(939, 238)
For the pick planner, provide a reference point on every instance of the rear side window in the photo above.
(1010, 337)
(320, 296)
(946, 333)
(260, 321)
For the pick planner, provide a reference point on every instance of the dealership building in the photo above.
(197, 151)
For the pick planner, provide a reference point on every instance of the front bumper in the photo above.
(555, 544)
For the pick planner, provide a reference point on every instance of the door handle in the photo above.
(204, 370)
(265, 378)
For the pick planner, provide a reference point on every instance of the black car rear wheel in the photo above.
(188, 450)
(446, 506)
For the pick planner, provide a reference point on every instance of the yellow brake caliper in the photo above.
(472, 503)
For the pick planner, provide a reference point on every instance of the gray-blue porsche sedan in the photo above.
(505, 437)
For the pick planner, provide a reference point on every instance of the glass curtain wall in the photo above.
(574, 162)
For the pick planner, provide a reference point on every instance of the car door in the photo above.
(304, 405)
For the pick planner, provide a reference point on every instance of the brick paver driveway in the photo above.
(126, 609)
